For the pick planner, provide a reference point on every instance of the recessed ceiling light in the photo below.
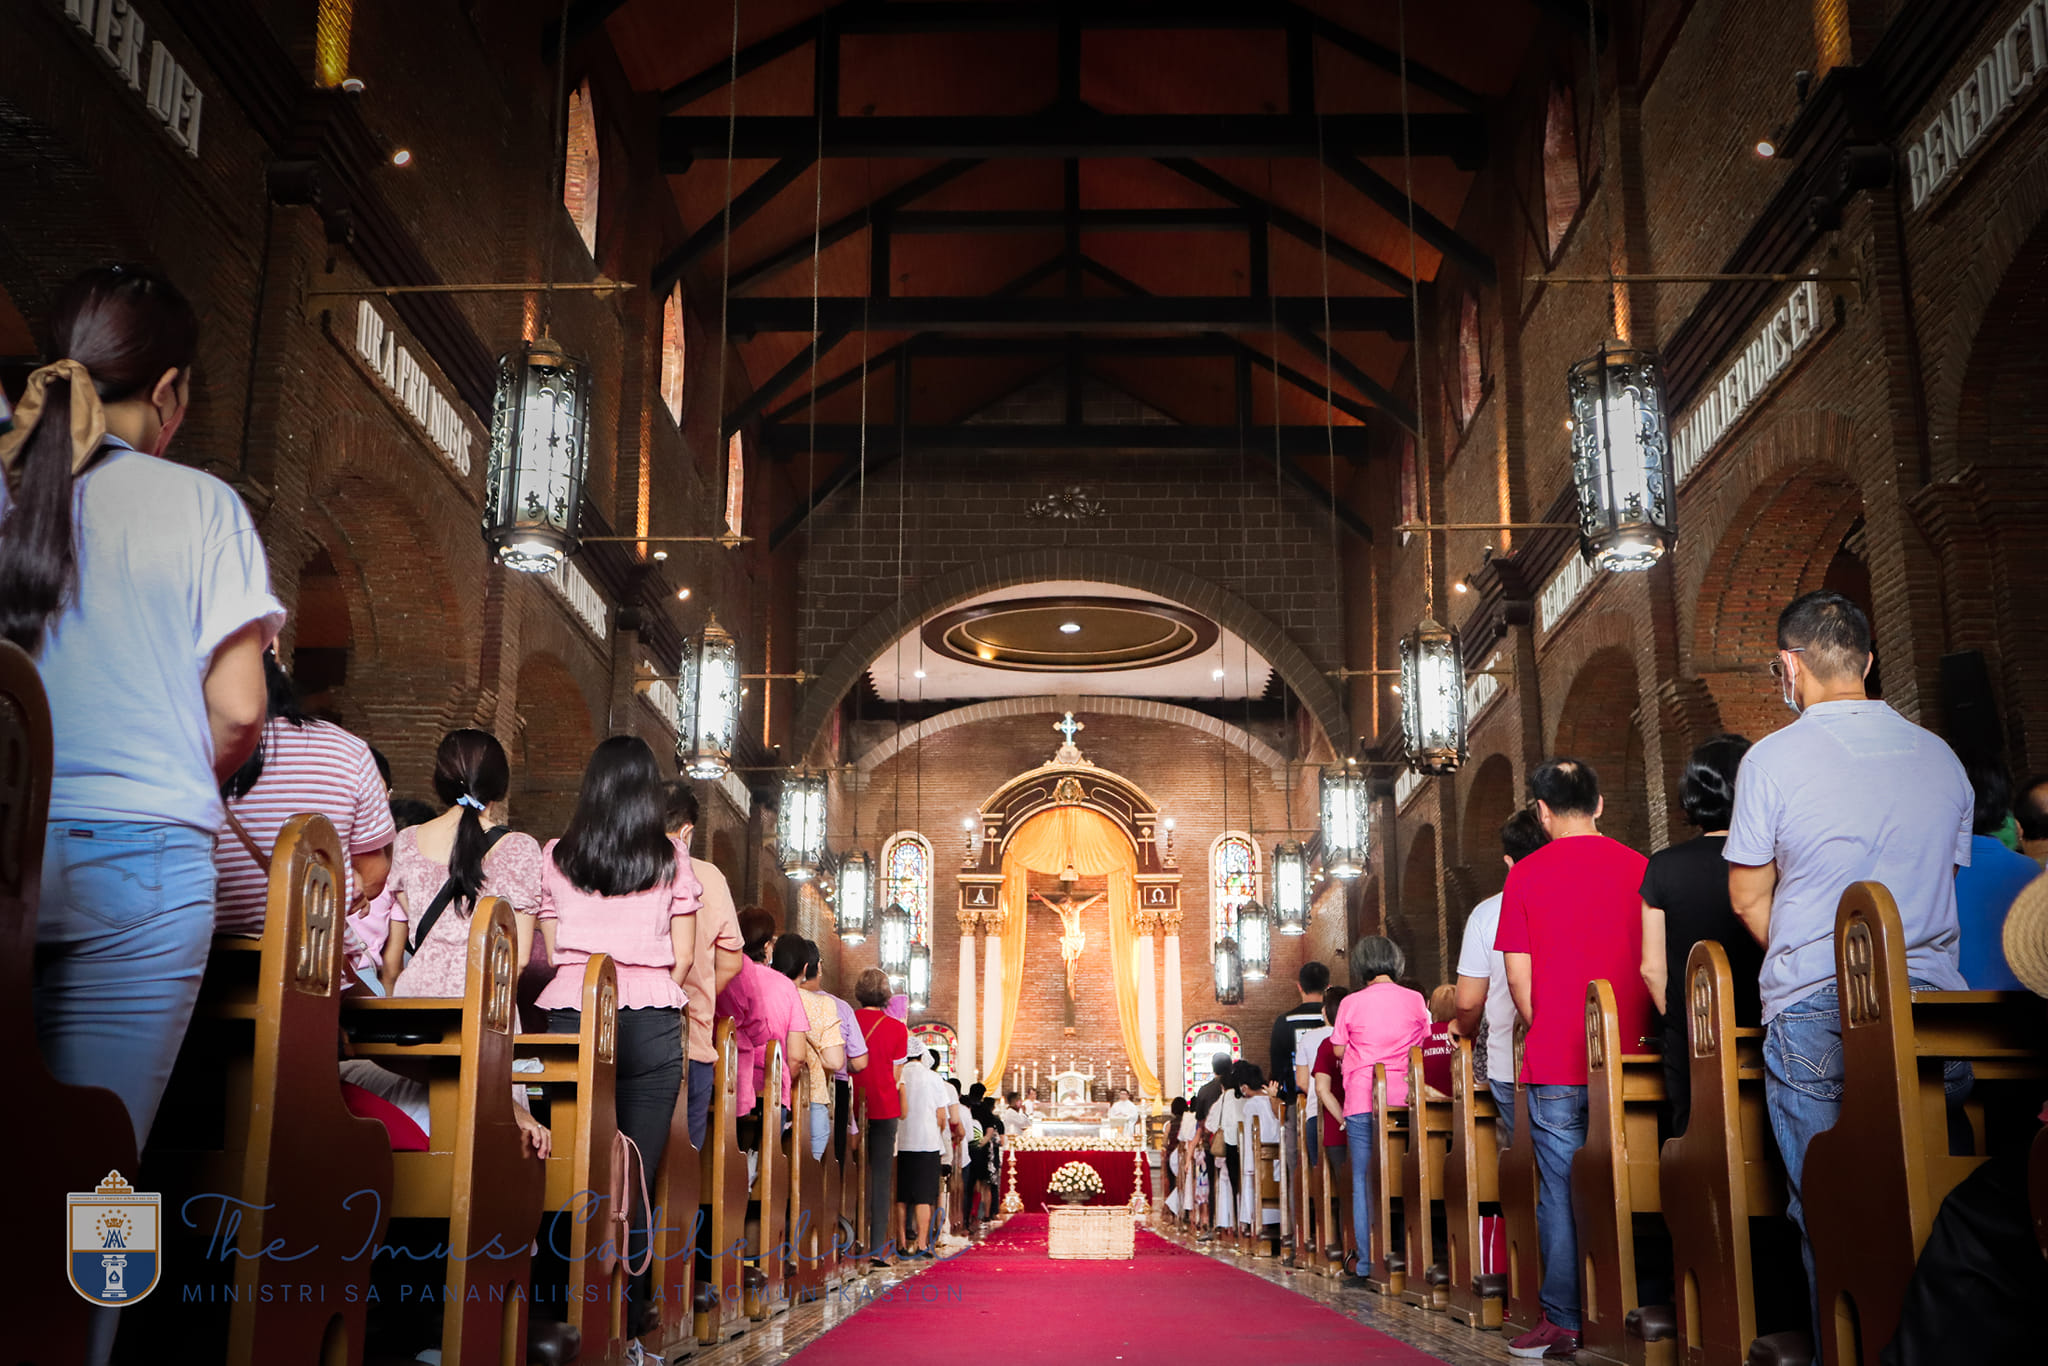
(1216, 673)
(1460, 587)
(353, 85)
(1068, 628)
(682, 595)
(1766, 148)
(918, 674)
(660, 555)
(985, 655)
(402, 157)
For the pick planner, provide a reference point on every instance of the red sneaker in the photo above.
(1546, 1339)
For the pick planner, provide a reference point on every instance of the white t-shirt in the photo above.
(1852, 792)
(1306, 1041)
(169, 566)
(923, 1095)
(1478, 958)
(1260, 1108)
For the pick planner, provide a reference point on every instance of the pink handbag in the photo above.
(626, 1159)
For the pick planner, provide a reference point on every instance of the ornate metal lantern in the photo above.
(800, 826)
(534, 487)
(1621, 458)
(895, 953)
(1255, 941)
(920, 976)
(708, 703)
(1347, 808)
(1433, 698)
(1290, 888)
(1229, 973)
(855, 897)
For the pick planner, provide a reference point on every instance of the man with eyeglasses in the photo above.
(1851, 791)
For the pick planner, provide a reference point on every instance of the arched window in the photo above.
(579, 168)
(1233, 880)
(672, 354)
(735, 483)
(1561, 179)
(939, 1037)
(1198, 1057)
(1471, 361)
(907, 878)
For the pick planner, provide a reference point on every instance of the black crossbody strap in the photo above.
(448, 889)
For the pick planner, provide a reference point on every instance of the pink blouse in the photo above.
(1378, 1024)
(634, 929)
(511, 870)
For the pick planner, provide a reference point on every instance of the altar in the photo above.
(1033, 1168)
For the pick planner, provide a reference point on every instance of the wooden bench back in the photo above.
(676, 1198)
(1522, 1306)
(1614, 1176)
(723, 1191)
(808, 1240)
(1305, 1245)
(765, 1295)
(1471, 1177)
(1387, 1272)
(1873, 1182)
(1422, 1181)
(80, 1133)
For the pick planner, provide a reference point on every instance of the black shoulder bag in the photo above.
(448, 890)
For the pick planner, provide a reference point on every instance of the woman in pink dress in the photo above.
(615, 883)
(1377, 1023)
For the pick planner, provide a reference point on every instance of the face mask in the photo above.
(1788, 694)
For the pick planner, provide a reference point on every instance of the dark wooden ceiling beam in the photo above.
(586, 17)
(745, 205)
(1240, 313)
(766, 393)
(1294, 225)
(749, 59)
(1431, 229)
(1060, 134)
(785, 440)
(845, 226)
(932, 221)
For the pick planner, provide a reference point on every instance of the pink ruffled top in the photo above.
(633, 929)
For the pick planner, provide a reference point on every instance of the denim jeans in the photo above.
(122, 933)
(1504, 1101)
(1803, 1092)
(1358, 1138)
(703, 1080)
(821, 1128)
(1557, 1124)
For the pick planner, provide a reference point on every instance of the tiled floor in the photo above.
(1435, 1334)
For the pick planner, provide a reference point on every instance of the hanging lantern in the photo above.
(855, 897)
(1255, 941)
(800, 826)
(1229, 973)
(708, 703)
(895, 953)
(1290, 888)
(1346, 808)
(1433, 698)
(920, 975)
(534, 487)
(1621, 458)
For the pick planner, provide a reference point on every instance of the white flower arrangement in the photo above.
(1075, 1178)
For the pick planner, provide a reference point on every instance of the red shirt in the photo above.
(1333, 1123)
(888, 1044)
(1436, 1057)
(1575, 907)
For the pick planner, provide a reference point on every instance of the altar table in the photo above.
(1035, 1169)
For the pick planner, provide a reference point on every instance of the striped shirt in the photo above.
(318, 768)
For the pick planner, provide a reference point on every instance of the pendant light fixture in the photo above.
(895, 948)
(1290, 883)
(1433, 698)
(708, 703)
(1346, 809)
(1621, 458)
(1254, 940)
(1229, 973)
(920, 977)
(800, 826)
(854, 898)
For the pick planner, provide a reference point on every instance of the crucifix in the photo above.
(1069, 727)
(1073, 939)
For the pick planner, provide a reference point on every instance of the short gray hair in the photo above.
(1375, 955)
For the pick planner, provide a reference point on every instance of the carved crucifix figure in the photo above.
(1073, 939)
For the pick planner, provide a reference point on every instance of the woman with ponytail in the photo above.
(439, 869)
(141, 589)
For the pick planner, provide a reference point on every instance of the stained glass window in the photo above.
(1198, 1058)
(1233, 880)
(942, 1041)
(907, 878)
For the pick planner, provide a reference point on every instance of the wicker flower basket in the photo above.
(1100, 1232)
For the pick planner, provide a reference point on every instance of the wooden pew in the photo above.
(723, 1190)
(1471, 1178)
(1721, 1173)
(833, 1197)
(1267, 1189)
(853, 1188)
(1422, 1180)
(764, 1294)
(807, 1242)
(1873, 1182)
(80, 1133)
(1333, 1207)
(1304, 1248)
(678, 1231)
(477, 1174)
(1614, 1178)
(1387, 1271)
(1522, 1305)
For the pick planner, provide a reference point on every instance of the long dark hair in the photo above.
(127, 327)
(617, 842)
(283, 705)
(472, 764)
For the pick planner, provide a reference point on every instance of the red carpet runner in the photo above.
(1006, 1301)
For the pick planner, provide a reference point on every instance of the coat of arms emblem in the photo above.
(115, 1241)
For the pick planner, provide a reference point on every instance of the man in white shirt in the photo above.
(1483, 994)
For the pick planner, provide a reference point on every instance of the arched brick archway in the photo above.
(1490, 798)
(1228, 610)
(918, 732)
(551, 747)
(1597, 726)
(1414, 925)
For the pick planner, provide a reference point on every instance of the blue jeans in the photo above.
(122, 933)
(1504, 1101)
(1358, 1137)
(703, 1078)
(1803, 1092)
(1557, 1124)
(821, 1128)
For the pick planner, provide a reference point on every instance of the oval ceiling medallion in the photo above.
(1070, 635)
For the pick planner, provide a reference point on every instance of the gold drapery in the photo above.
(1094, 846)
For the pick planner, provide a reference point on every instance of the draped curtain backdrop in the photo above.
(1095, 846)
